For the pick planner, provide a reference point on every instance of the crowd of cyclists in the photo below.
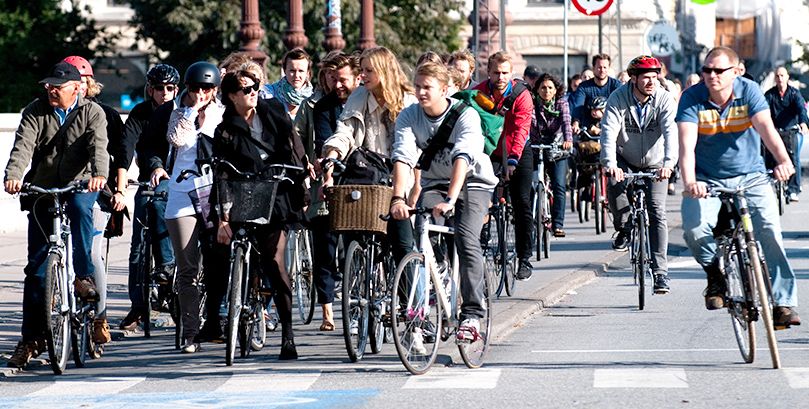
(363, 104)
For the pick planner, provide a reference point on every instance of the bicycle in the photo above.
(157, 296)
(504, 247)
(355, 211)
(301, 271)
(593, 193)
(639, 248)
(253, 197)
(543, 200)
(69, 318)
(426, 300)
(748, 287)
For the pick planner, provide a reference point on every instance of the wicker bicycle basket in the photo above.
(248, 201)
(358, 207)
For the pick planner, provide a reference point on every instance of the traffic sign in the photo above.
(592, 7)
(663, 39)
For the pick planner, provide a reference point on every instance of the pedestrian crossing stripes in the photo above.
(798, 378)
(640, 378)
(455, 379)
(98, 385)
(284, 381)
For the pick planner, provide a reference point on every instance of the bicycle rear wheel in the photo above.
(764, 297)
(598, 203)
(57, 313)
(491, 250)
(80, 337)
(473, 352)
(234, 304)
(742, 316)
(547, 224)
(258, 336)
(355, 302)
(378, 292)
(536, 235)
(145, 266)
(417, 314)
(640, 259)
(306, 288)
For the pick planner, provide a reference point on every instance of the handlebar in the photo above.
(76, 185)
(329, 162)
(216, 162)
(716, 190)
(640, 175)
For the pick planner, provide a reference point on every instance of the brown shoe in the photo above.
(558, 233)
(24, 352)
(785, 317)
(101, 331)
(132, 320)
(86, 288)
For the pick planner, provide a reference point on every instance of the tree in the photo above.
(30, 31)
(183, 32)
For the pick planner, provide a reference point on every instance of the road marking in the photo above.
(273, 381)
(455, 379)
(683, 264)
(640, 378)
(634, 351)
(88, 386)
(798, 378)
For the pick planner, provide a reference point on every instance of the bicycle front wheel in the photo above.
(378, 292)
(764, 299)
(539, 219)
(234, 304)
(598, 203)
(473, 352)
(80, 336)
(417, 314)
(305, 294)
(57, 313)
(355, 302)
(640, 259)
(145, 266)
(742, 316)
(547, 223)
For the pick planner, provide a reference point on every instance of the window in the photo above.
(545, 2)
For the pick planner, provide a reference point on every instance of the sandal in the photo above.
(328, 318)
(558, 233)
(327, 326)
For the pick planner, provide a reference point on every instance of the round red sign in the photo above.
(592, 7)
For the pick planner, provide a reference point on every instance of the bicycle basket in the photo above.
(358, 207)
(247, 201)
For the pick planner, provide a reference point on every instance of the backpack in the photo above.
(491, 123)
(366, 167)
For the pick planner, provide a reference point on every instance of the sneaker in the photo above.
(271, 319)
(101, 331)
(24, 352)
(132, 320)
(288, 350)
(428, 332)
(715, 294)
(661, 284)
(85, 288)
(416, 339)
(525, 270)
(189, 346)
(621, 241)
(469, 331)
(793, 197)
(785, 317)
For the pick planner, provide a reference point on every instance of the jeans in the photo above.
(79, 211)
(557, 172)
(700, 216)
(100, 219)
(161, 243)
(791, 139)
(520, 187)
(656, 192)
(324, 254)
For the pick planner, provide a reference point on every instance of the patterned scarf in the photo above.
(284, 91)
(550, 107)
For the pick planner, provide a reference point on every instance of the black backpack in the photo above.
(365, 167)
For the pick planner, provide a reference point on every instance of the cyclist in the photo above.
(294, 87)
(552, 126)
(638, 134)
(459, 176)
(597, 84)
(63, 136)
(788, 110)
(722, 122)
(161, 87)
(464, 61)
(253, 134)
(513, 100)
(107, 202)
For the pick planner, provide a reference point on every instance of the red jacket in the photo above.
(517, 122)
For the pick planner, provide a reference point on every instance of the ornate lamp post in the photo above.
(295, 36)
(367, 39)
(334, 36)
(251, 32)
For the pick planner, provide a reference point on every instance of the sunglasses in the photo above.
(717, 71)
(250, 89)
(167, 88)
(198, 88)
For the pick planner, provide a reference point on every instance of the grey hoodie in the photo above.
(655, 145)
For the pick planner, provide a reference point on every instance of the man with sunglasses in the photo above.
(161, 87)
(63, 137)
(722, 122)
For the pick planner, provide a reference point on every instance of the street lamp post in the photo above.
(367, 39)
(334, 35)
(295, 36)
(251, 32)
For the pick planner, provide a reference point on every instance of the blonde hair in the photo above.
(93, 87)
(456, 76)
(463, 55)
(434, 70)
(499, 58)
(392, 79)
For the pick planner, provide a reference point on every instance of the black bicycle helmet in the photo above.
(163, 74)
(597, 103)
(202, 72)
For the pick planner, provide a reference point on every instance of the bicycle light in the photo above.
(356, 195)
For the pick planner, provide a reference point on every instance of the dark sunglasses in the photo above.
(248, 90)
(197, 88)
(167, 88)
(717, 71)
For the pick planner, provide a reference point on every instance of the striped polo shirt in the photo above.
(727, 145)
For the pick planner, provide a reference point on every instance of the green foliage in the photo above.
(186, 31)
(35, 35)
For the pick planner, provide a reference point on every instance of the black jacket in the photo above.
(153, 148)
(326, 113)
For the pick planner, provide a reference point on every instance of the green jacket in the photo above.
(80, 154)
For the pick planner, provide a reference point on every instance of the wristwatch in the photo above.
(449, 200)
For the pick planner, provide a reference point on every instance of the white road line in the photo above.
(640, 378)
(683, 264)
(798, 378)
(88, 386)
(634, 351)
(275, 381)
(461, 378)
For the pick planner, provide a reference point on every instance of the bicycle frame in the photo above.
(447, 297)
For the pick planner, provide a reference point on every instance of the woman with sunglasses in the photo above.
(190, 131)
(255, 133)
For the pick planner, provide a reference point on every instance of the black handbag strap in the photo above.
(441, 137)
